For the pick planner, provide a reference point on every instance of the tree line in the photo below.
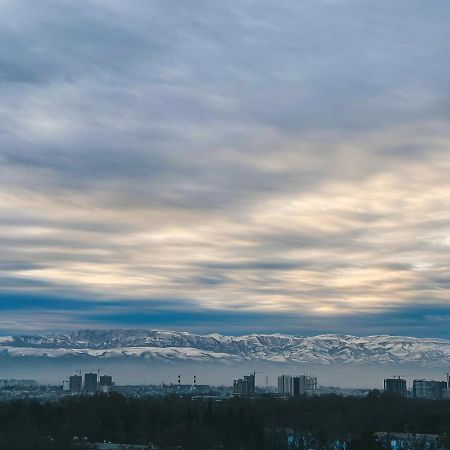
(196, 424)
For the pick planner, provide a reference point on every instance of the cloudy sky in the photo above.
(235, 166)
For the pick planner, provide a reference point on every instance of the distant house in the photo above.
(397, 441)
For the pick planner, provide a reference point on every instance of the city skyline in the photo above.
(235, 167)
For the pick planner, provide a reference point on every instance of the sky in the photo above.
(237, 166)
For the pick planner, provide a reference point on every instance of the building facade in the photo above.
(307, 384)
(245, 386)
(295, 386)
(75, 383)
(431, 390)
(395, 386)
(105, 383)
(285, 384)
(90, 382)
(106, 380)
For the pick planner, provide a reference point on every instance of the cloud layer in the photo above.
(238, 157)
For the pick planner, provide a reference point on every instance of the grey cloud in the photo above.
(12, 266)
(251, 154)
(22, 283)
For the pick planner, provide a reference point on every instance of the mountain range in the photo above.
(275, 348)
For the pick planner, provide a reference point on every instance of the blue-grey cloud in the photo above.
(64, 314)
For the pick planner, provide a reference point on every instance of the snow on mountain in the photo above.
(175, 345)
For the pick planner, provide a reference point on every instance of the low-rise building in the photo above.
(393, 441)
(12, 382)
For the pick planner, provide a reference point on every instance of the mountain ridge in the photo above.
(183, 345)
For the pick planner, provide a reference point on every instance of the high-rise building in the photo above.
(295, 386)
(106, 380)
(75, 383)
(245, 386)
(432, 390)
(285, 384)
(90, 382)
(307, 384)
(105, 383)
(295, 392)
(395, 386)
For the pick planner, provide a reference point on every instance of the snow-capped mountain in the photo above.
(174, 345)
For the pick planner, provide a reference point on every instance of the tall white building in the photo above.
(285, 384)
(294, 386)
